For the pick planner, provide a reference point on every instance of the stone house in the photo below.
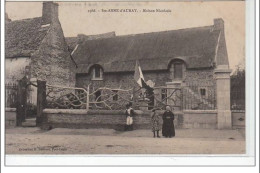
(194, 59)
(178, 58)
(36, 47)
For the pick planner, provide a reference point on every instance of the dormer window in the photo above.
(97, 72)
(177, 70)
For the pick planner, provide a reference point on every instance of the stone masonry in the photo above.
(52, 61)
(199, 78)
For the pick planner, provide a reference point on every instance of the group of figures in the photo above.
(168, 129)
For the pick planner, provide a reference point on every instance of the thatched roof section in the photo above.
(73, 41)
(196, 46)
(23, 37)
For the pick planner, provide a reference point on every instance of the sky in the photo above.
(75, 19)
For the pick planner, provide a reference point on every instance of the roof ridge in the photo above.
(147, 33)
(23, 20)
(201, 27)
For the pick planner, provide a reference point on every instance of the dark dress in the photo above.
(168, 125)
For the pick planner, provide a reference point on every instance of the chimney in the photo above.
(49, 12)
(219, 24)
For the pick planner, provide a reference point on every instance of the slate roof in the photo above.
(23, 37)
(196, 46)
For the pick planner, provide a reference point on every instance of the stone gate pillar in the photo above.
(41, 102)
(34, 91)
(222, 75)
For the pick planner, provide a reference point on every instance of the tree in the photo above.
(238, 89)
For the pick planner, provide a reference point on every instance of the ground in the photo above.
(32, 140)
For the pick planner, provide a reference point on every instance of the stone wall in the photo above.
(57, 118)
(238, 119)
(52, 61)
(123, 80)
(126, 80)
(10, 117)
(119, 80)
(202, 77)
(206, 119)
(194, 81)
(96, 119)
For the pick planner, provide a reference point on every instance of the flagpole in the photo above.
(134, 99)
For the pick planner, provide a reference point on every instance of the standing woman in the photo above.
(155, 123)
(168, 125)
(129, 117)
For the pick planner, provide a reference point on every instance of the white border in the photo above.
(129, 160)
(238, 160)
(250, 79)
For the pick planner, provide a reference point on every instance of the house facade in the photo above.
(187, 68)
(186, 58)
(36, 47)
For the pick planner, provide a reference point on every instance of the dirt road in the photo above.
(108, 141)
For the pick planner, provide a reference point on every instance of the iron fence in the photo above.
(11, 95)
(110, 98)
(237, 97)
(145, 99)
(198, 96)
(60, 97)
(187, 97)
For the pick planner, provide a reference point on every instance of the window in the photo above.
(177, 70)
(115, 95)
(97, 73)
(202, 91)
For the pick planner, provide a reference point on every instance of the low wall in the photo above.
(238, 119)
(64, 118)
(200, 119)
(10, 117)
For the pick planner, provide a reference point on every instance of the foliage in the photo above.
(238, 89)
(238, 78)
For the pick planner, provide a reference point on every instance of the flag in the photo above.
(138, 76)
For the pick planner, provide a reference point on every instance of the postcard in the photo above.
(126, 80)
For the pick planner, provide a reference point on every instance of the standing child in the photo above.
(129, 117)
(155, 123)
